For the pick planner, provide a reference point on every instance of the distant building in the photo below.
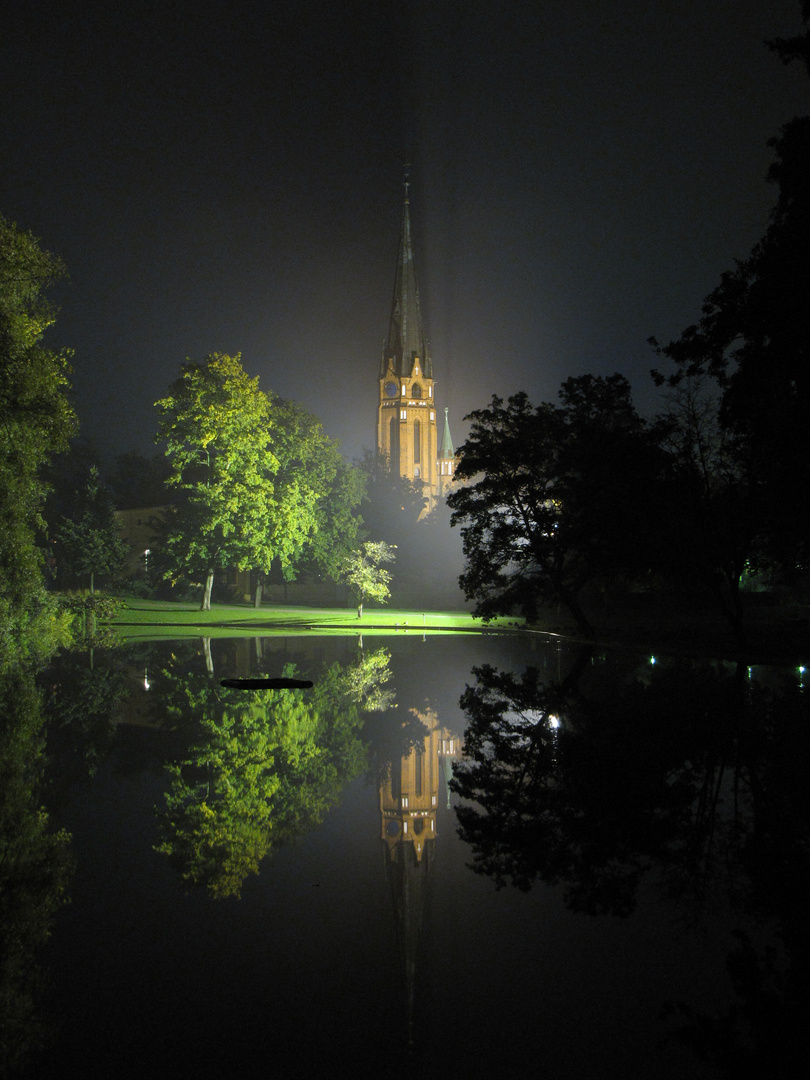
(138, 527)
(407, 431)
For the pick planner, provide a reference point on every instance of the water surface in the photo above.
(304, 899)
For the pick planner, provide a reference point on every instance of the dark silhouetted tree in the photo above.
(89, 542)
(753, 339)
(553, 495)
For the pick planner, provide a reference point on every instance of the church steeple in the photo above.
(406, 337)
(406, 413)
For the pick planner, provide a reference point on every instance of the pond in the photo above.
(594, 868)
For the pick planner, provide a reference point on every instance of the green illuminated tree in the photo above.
(218, 432)
(258, 482)
(363, 572)
(316, 495)
(36, 419)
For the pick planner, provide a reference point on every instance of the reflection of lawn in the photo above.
(167, 619)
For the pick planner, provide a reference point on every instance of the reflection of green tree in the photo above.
(34, 864)
(82, 707)
(264, 766)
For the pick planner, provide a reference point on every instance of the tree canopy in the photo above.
(88, 542)
(317, 493)
(554, 493)
(753, 340)
(256, 479)
(36, 418)
(363, 571)
(217, 428)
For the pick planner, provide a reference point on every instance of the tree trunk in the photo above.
(92, 590)
(257, 600)
(580, 618)
(360, 610)
(209, 584)
(209, 659)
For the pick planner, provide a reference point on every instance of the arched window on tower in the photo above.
(393, 442)
(417, 443)
(416, 390)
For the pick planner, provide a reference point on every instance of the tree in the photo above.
(218, 432)
(137, 482)
(393, 504)
(36, 418)
(557, 491)
(89, 541)
(257, 478)
(338, 520)
(316, 495)
(715, 511)
(362, 571)
(753, 339)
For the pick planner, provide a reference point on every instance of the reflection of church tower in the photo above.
(406, 416)
(409, 800)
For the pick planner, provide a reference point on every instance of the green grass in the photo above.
(153, 619)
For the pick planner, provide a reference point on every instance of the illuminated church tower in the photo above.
(406, 416)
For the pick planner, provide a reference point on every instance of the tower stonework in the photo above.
(406, 415)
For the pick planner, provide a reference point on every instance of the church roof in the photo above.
(406, 338)
(447, 450)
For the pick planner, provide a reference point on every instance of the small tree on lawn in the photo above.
(89, 541)
(363, 572)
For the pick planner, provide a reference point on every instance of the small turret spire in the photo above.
(447, 452)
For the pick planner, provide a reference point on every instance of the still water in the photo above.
(267, 882)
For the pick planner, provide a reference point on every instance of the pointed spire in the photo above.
(447, 450)
(406, 338)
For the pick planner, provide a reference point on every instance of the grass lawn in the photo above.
(152, 619)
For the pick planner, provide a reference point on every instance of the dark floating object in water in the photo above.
(266, 684)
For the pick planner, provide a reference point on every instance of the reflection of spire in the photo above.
(408, 881)
(447, 769)
(409, 799)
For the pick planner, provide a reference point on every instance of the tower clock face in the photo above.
(391, 389)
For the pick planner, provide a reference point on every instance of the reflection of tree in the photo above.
(82, 706)
(263, 767)
(34, 864)
(592, 793)
(697, 773)
(765, 1031)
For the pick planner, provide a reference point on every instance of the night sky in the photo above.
(228, 177)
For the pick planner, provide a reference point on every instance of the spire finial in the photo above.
(405, 178)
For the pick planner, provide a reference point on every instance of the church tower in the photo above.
(406, 415)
